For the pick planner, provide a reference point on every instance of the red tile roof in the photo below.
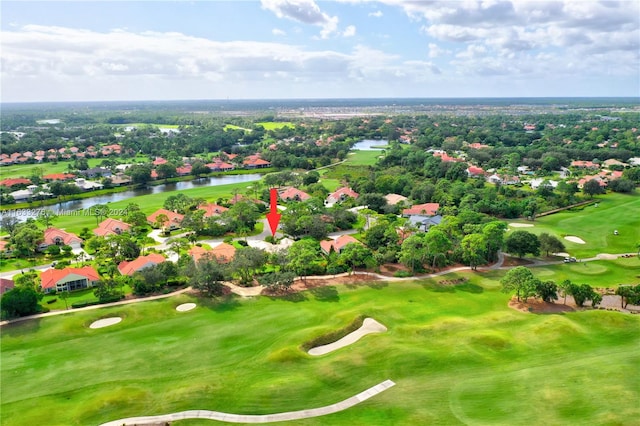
(111, 226)
(59, 176)
(51, 277)
(130, 268)
(6, 285)
(171, 216)
(54, 236)
(343, 192)
(338, 244)
(429, 209)
(15, 181)
(212, 209)
(294, 194)
(223, 253)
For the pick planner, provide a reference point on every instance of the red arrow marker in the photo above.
(273, 216)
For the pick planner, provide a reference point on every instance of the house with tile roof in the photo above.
(14, 181)
(293, 194)
(212, 209)
(68, 279)
(59, 237)
(340, 195)
(426, 209)
(393, 199)
(223, 253)
(338, 244)
(111, 226)
(5, 285)
(172, 222)
(142, 262)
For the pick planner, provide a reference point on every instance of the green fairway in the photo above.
(595, 226)
(363, 158)
(598, 273)
(27, 170)
(234, 127)
(274, 125)
(458, 356)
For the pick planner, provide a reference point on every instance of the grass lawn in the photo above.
(363, 158)
(597, 273)
(457, 355)
(595, 225)
(27, 170)
(234, 127)
(274, 125)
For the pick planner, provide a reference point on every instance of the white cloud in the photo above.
(436, 51)
(376, 14)
(304, 11)
(350, 31)
(278, 32)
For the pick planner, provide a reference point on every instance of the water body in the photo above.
(371, 145)
(87, 203)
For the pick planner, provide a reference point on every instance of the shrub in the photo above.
(49, 302)
(402, 274)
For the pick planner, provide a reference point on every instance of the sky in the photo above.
(285, 49)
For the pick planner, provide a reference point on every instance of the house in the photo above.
(172, 222)
(184, 170)
(423, 223)
(294, 194)
(427, 209)
(340, 195)
(338, 244)
(255, 163)
(444, 156)
(601, 181)
(96, 172)
(4, 247)
(59, 176)
(613, 162)
(585, 164)
(223, 253)
(15, 181)
(6, 285)
(475, 171)
(59, 237)
(219, 166)
(535, 183)
(142, 262)
(212, 209)
(111, 226)
(158, 161)
(68, 279)
(87, 185)
(393, 199)
(120, 179)
(503, 179)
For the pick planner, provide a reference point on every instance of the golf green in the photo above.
(457, 355)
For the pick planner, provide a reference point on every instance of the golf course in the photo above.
(457, 354)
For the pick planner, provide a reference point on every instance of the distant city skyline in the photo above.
(54, 51)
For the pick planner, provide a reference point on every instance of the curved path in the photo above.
(254, 418)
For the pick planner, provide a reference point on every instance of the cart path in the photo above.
(255, 418)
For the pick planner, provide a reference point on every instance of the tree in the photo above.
(20, 301)
(101, 212)
(207, 276)
(413, 252)
(438, 245)
(550, 243)
(494, 236)
(622, 185)
(583, 292)
(565, 288)
(9, 223)
(26, 238)
(246, 261)
(243, 214)
(356, 255)
(166, 171)
(521, 280)
(46, 217)
(474, 250)
(592, 187)
(547, 290)
(303, 256)
(522, 242)
(628, 294)
(277, 280)
(106, 290)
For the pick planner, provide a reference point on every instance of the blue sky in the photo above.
(156, 50)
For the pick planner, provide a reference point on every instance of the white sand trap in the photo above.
(562, 253)
(369, 325)
(521, 225)
(576, 240)
(106, 322)
(185, 307)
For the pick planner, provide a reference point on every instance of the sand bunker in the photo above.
(106, 322)
(185, 307)
(369, 325)
(576, 240)
(521, 225)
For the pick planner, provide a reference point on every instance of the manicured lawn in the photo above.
(597, 273)
(595, 225)
(363, 158)
(271, 125)
(26, 170)
(457, 355)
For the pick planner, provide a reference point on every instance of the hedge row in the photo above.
(95, 302)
